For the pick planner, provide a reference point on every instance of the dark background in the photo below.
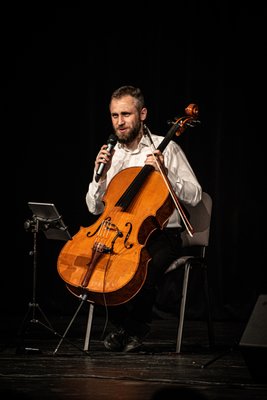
(59, 66)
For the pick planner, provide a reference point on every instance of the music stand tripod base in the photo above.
(47, 219)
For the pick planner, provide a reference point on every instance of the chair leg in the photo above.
(89, 327)
(182, 308)
(208, 309)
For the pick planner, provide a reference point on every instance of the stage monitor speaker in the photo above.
(253, 343)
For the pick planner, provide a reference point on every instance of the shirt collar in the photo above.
(143, 143)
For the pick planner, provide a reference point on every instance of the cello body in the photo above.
(108, 260)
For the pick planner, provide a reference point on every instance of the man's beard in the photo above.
(131, 135)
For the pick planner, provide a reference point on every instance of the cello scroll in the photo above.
(189, 120)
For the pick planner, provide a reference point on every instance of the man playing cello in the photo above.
(132, 319)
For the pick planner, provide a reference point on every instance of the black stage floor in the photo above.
(31, 369)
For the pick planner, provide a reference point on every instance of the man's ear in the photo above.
(143, 114)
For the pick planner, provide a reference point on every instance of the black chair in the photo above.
(195, 249)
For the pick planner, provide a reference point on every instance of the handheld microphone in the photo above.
(112, 140)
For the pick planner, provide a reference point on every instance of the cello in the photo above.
(107, 262)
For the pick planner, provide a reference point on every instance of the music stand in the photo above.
(46, 219)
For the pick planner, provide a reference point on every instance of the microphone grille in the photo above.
(112, 139)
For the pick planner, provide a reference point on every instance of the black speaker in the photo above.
(253, 343)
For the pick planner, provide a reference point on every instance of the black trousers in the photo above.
(164, 246)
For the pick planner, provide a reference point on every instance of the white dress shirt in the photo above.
(180, 175)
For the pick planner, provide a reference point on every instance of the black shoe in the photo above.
(116, 340)
(133, 344)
